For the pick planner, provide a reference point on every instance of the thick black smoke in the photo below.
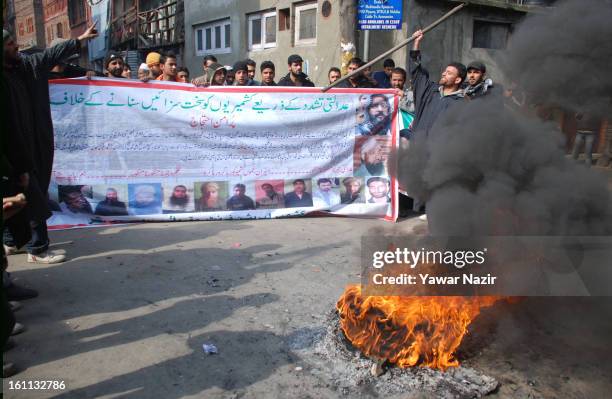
(485, 170)
(564, 56)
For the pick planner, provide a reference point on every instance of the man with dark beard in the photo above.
(478, 84)
(295, 77)
(111, 206)
(378, 117)
(430, 97)
(178, 201)
(25, 82)
(113, 63)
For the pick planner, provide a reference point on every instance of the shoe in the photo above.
(46, 258)
(8, 250)
(18, 329)
(10, 344)
(17, 293)
(14, 305)
(8, 370)
(423, 217)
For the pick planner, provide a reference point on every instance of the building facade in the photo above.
(263, 30)
(57, 25)
(79, 19)
(140, 26)
(273, 29)
(29, 25)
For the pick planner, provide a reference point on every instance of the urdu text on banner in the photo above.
(133, 151)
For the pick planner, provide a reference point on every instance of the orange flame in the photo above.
(408, 331)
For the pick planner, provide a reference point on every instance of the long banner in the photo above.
(132, 151)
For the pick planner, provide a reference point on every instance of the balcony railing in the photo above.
(161, 26)
(123, 27)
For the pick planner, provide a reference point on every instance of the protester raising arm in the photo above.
(41, 63)
(420, 76)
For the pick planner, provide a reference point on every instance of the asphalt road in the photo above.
(127, 314)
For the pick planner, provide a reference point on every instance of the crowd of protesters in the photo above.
(28, 162)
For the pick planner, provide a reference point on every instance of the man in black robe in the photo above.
(25, 79)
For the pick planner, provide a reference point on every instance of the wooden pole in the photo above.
(397, 47)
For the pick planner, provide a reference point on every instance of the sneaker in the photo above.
(46, 258)
(15, 292)
(14, 305)
(18, 329)
(423, 217)
(8, 370)
(8, 250)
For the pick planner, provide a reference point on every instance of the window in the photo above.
(306, 23)
(213, 37)
(60, 30)
(199, 41)
(493, 35)
(76, 11)
(30, 23)
(284, 19)
(262, 30)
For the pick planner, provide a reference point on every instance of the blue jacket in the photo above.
(382, 79)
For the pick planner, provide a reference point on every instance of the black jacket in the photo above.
(428, 98)
(108, 208)
(286, 80)
(362, 83)
(31, 76)
(29, 122)
(485, 88)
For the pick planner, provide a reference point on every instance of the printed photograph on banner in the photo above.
(269, 194)
(210, 196)
(53, 196)
(360, 111)
(371, 155)
(70, 205)
(352, 191)
(298, 193)
(111, 199)
(145, 198)
(75, 199)
(241, 196)
(373, 115)
(326, 192)
(378, 190)
(178, 198)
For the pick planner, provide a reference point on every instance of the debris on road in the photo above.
(210, 349)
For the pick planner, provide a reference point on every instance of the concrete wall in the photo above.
(318, 57)
(449, 41)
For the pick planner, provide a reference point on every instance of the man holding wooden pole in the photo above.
(430, 97)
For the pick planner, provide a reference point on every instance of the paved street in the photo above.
(128, 314)
(130, 310)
